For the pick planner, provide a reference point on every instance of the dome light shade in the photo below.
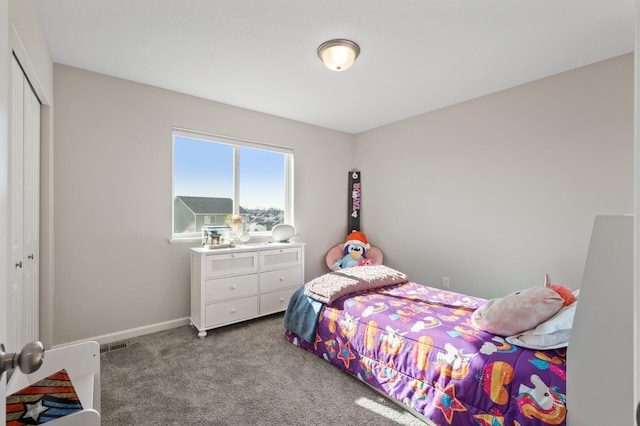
(338, 54)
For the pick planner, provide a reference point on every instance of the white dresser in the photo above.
(236, 284)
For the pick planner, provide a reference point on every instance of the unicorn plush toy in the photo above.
(522, 310)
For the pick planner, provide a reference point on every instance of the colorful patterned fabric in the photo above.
(43, 401)
(416, 344)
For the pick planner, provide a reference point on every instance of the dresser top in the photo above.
(247, 247)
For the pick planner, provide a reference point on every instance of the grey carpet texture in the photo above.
(242, 374)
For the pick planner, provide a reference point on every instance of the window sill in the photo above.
(190, 240)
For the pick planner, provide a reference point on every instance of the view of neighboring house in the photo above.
(261, 220)
(191, 213)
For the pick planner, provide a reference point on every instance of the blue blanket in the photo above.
(302, 314)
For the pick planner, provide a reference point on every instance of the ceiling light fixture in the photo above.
(338, 54)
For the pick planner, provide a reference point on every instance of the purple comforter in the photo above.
(415, 344)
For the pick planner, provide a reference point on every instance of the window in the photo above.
(216, 177)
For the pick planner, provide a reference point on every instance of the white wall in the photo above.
(495, 192)
(26, 23)
(636, 276)
(115, 269)
(5, 81)
(27, 42)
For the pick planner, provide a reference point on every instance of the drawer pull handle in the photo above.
(233, 287)
(281, 278)
(282, 299)
(233, 310)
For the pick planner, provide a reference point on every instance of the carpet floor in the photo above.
(242, 374)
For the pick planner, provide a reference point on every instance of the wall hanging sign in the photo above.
(355, 191)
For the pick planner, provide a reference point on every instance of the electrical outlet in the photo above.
(445, 282)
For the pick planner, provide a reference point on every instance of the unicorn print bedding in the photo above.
(417, 345)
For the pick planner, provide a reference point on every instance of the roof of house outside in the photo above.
(207, 205)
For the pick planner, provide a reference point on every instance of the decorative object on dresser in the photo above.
(216, 237)
(282, 233)
(230, 285)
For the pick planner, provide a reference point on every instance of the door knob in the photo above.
(28, 360)
(19, 264)
(31, 256)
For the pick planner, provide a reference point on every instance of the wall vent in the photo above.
(116, 346)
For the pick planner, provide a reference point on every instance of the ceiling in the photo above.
(417, 55)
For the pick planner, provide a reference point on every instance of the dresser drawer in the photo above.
(217, 265)
(276, 301)
(231, 287)
(231, 311)
(282, 278)
(280, 258)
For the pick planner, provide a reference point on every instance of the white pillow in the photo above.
(550, 334)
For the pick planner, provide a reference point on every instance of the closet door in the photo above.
(31, 216)
(16, 288)
(23, 306)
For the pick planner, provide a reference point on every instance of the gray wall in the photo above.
(495, 192)
(115, 269)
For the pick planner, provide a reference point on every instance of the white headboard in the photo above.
(600, 356)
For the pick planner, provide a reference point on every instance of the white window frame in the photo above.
(236, 143)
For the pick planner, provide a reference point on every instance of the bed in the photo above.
(416, 345)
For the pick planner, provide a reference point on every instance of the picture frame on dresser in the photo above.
(235, 284)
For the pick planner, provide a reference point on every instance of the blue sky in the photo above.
(205, 169)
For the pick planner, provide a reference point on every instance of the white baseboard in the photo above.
(133, 332)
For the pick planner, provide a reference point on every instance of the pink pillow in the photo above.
(517, 312)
